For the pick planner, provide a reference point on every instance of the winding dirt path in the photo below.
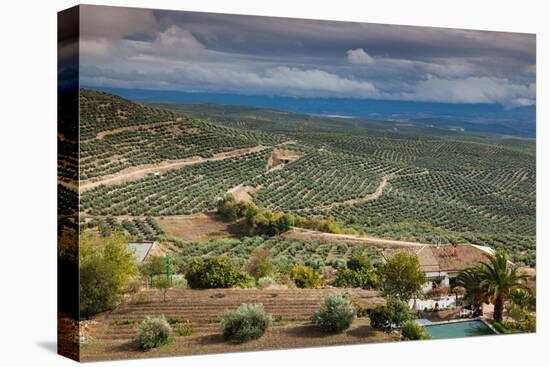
(138, 172)
(375, 195)
(308, 234)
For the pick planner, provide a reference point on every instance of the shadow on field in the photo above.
(364, 331)
(211, 339)
(129, 346)
(307, 331)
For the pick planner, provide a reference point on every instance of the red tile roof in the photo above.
(446, 258)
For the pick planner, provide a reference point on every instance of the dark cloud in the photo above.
(244, 54)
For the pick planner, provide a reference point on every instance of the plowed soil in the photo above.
(291, 310)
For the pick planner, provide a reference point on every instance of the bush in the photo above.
(410, 330)
(153, 332)
(260, 264)
(247, 322)
(228, 208)
(215, 272)
(106, 268)
(266, 282)
(359, 263)
(180, 283)
(393, 314)
(361, 310)
(305, 277)
(359, 273)
(184, 328)
(335, 314)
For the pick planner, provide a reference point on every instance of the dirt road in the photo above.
(307, 234)
(138, 172)
(375, 195)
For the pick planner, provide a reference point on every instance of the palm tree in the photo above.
(498, 281)
(469, 279)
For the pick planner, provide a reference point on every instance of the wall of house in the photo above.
(431, 276)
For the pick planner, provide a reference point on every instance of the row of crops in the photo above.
(147, 138)
(188, 190)
(158, 143)
(67, 159)
(138, 228)
(478, 189)
(321, 178)
(101, 111)
(284, 252)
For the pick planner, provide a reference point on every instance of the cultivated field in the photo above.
(114, 331)
(387, 180)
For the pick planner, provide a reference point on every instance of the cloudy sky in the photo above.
(187, 51)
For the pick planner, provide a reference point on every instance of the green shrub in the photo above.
(359, 273)
(266, 282)
(175, 320)
(215, 272)
(247, 322)
(124, 322)
(184, 328)
(180, 283)
(335, 314)
(410, 330)
(305, 277)
(361, 310)
(359, 263)
(153, 332)
(393, 314)
(260, 265)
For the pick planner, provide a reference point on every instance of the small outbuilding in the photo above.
(140, 250)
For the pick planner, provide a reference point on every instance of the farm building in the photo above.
(442, 263)
(140, 250)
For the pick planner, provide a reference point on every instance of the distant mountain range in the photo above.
(487, 118)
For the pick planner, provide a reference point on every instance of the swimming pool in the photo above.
(459, 329)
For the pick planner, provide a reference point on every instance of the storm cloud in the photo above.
(189, 51)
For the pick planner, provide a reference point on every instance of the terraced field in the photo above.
(113, 332)
(203, 307)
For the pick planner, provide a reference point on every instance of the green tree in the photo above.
(260, 264)
(402, 277)
(305, 277)
(469, 279)
(499, 280)
(358, 273)
(163, 285)
(106, 268)
(215, 272)
(153, 267)
(393, 314)
(228, 208)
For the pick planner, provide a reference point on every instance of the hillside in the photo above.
(387, 179)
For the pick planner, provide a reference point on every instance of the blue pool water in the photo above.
(459, 329)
